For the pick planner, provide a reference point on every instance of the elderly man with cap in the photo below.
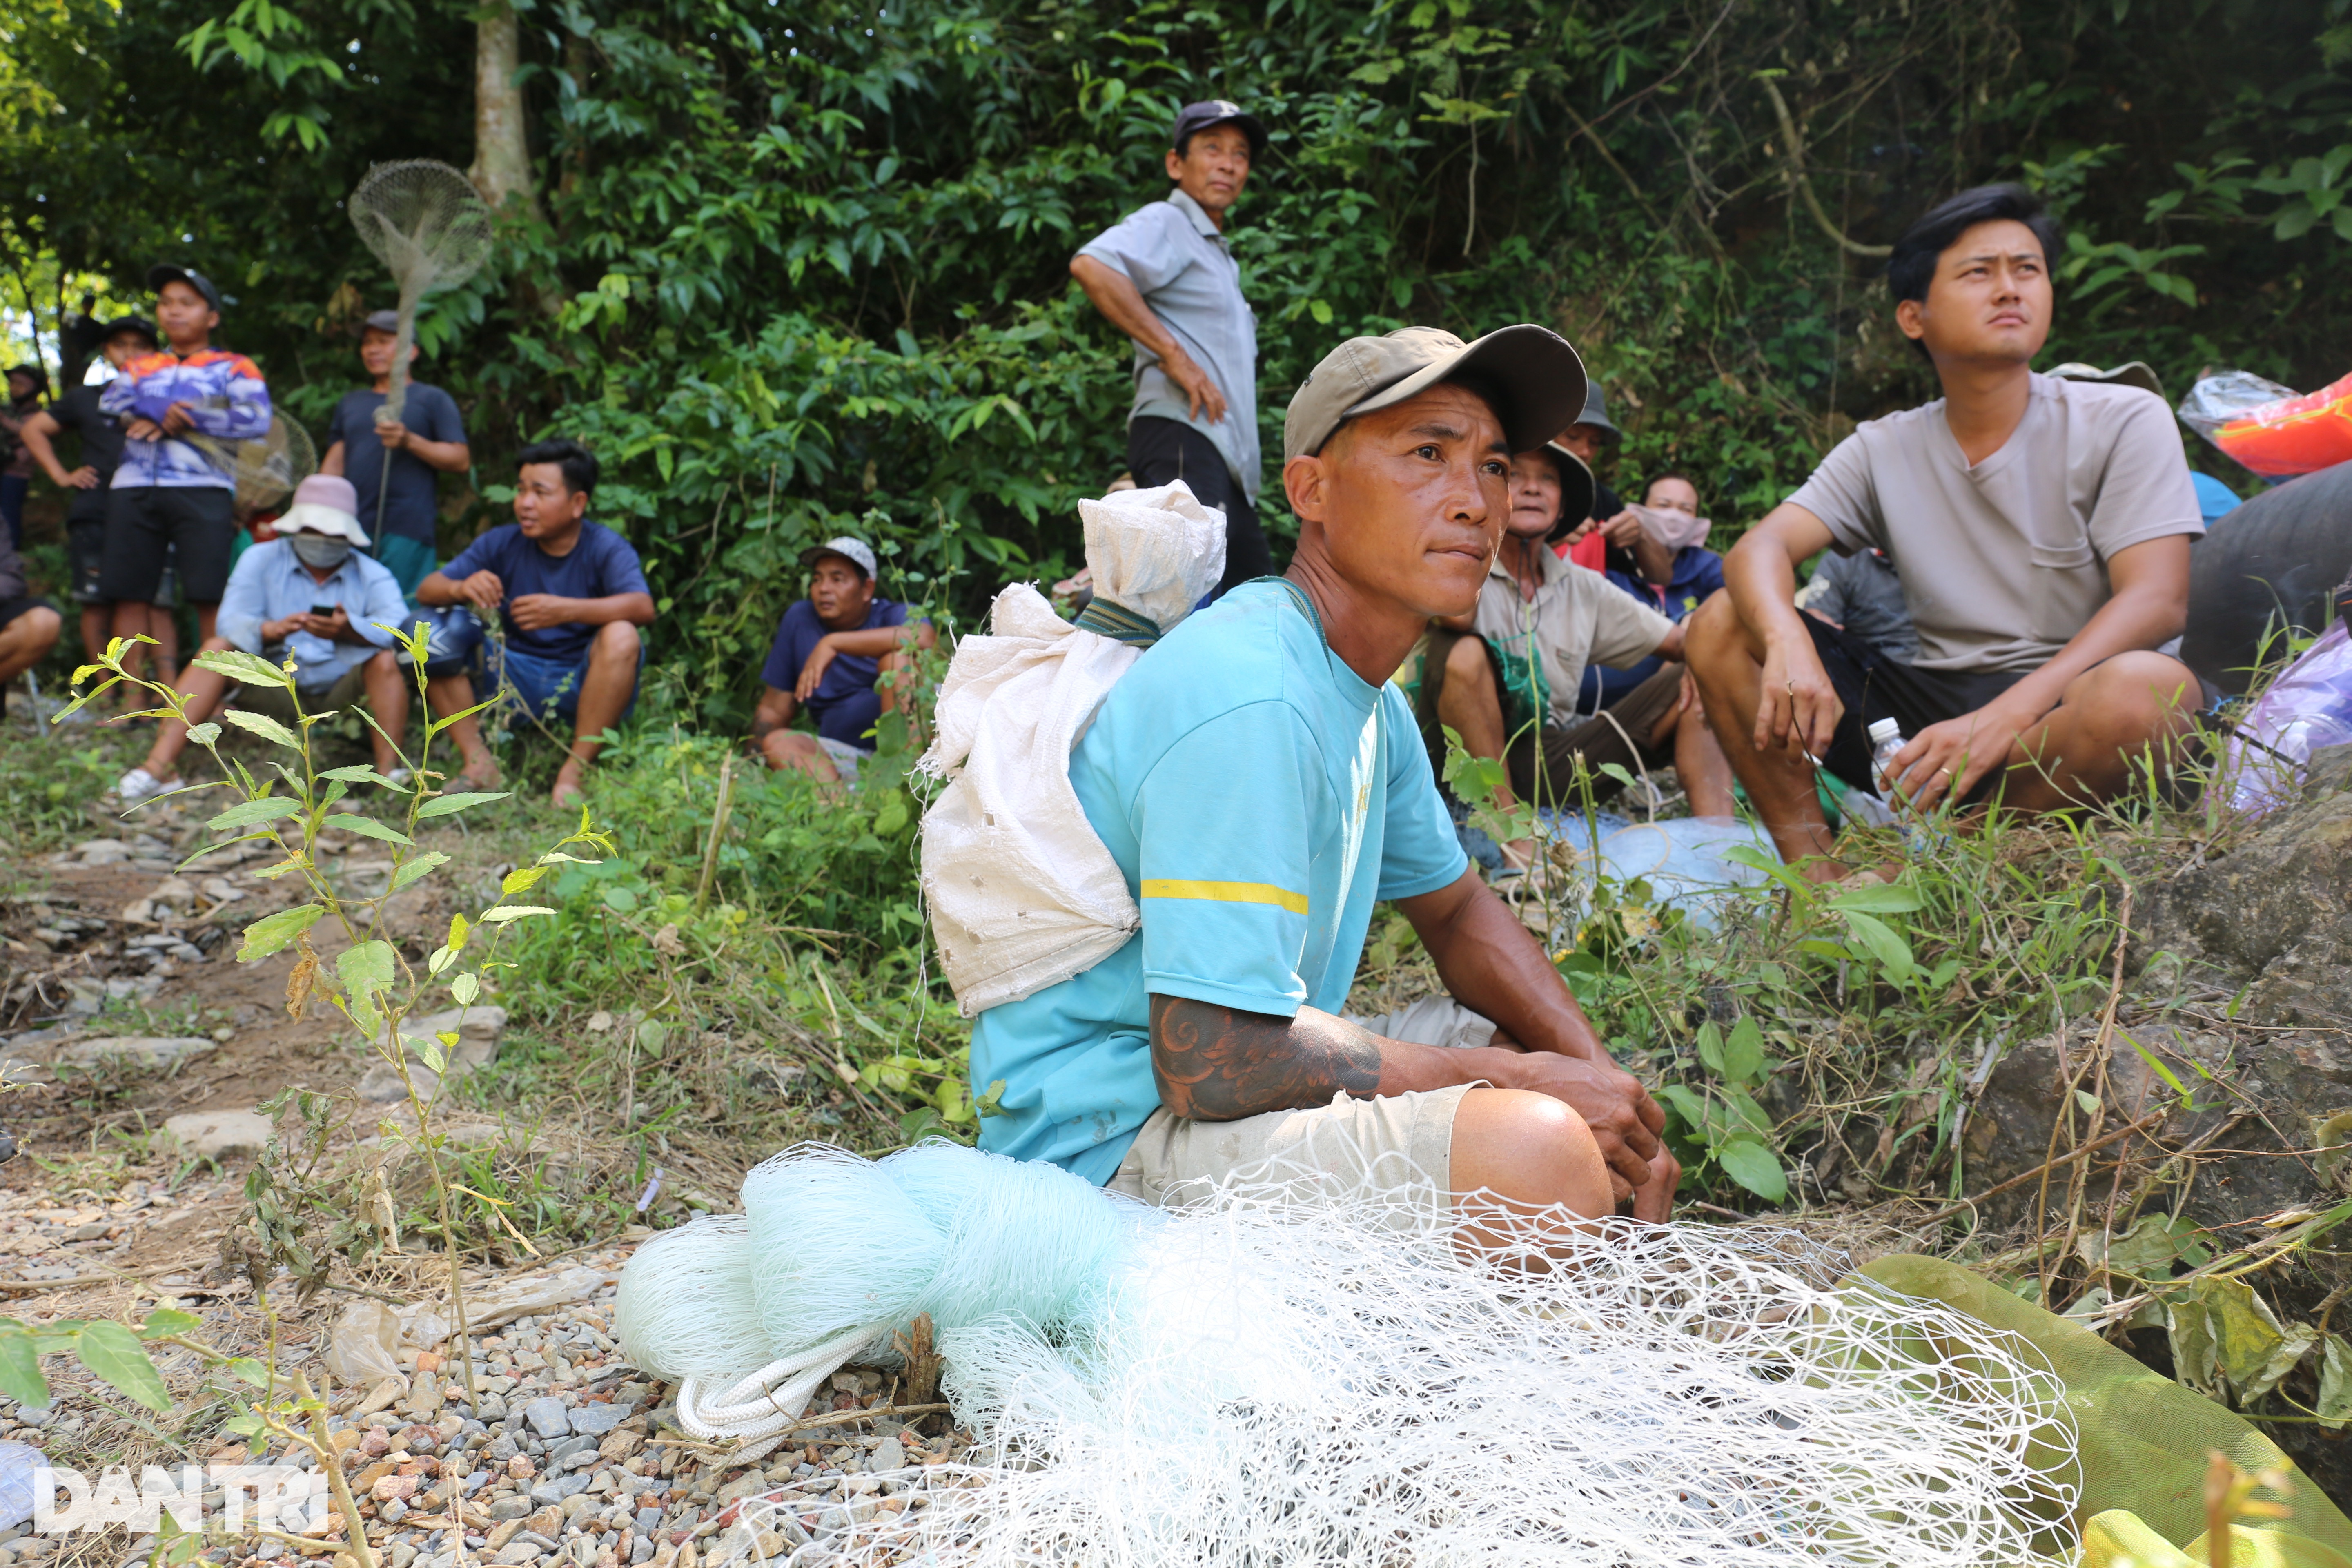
(1260, 785)
(310, 596)
(569, 595)
(1166, 276)
(100, 437)
(837, 654)
(426, 440)
(183, 408)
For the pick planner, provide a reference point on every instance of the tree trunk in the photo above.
(501, 151)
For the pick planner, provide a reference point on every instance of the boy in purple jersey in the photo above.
(168, 488)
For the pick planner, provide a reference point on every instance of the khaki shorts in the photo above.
(1399, 1146)
(349, 690)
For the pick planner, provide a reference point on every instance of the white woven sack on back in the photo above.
(1023, 894)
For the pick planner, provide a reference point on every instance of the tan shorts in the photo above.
(1398, 1146)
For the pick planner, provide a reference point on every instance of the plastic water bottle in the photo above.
(1885, 739)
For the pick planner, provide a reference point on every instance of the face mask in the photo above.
(1673, 530)
(323, 550)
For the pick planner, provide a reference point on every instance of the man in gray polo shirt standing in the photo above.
(1165, 276)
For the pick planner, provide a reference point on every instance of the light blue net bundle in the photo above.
(1289, 1372)
(835, 1254)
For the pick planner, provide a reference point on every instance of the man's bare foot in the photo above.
(481, 772)
(567, 792)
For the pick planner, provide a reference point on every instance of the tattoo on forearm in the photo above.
(1217, 1064)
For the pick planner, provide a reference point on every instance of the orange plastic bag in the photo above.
(2285, 435)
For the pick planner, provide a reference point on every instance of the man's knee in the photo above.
(2136, 697)
(41, 627)
(383, 663)
(783, 745)
(1530, 1149)
(1713, 635)
(615, 639)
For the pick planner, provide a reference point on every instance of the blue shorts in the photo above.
(543, 687)
(551, 686)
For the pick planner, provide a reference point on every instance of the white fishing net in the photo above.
(1268, 1378)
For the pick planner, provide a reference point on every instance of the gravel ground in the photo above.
(572, 1459)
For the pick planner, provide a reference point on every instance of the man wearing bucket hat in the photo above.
(1260, 785)
(836, 653)
(310, 595)
(1166, 276)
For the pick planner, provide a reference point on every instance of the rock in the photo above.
(577, 1506)
(600, 1419)
(511, 1508)
(144, 1050)
(529, 1298)
(102, 851)
(890, 1456)
(516, 1554)
(2277, 908)
(172, 892)
(554, 1490)
(547, 1522)
(548, 1416)
(220, 1135)
(492, 1408)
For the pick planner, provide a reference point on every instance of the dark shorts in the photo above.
(1873, 685)
(86, 558)
(142, 525)
(1161, 451)
(10, 609)
(549, 688)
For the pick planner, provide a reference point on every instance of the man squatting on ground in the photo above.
(168, 491)
(838, 653)
(1519, 654)
(310, 595)
(100, 436)
(1260, 785)
(2041, 528)
(570, 595)
(29, 625)
(1166, 276)
(428, 439)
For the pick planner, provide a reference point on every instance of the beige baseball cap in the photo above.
(1537, 372)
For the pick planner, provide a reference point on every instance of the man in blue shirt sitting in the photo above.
(837, 653)
(309, 595)
(569, 595)
(1260, 783)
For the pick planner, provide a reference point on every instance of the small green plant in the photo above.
(286, 805)
(1721, 1123)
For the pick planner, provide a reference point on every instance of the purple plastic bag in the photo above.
(2307, 710)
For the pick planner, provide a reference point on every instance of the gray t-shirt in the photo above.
(2004, 562)
(1863, 594)
(1180, 264)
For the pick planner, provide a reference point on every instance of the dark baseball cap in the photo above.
(163, 272)
(1194, 118)
(139, 325)
(381, 322)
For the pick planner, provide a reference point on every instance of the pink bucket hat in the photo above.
(325, 503)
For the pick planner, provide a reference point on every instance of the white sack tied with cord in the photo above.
(1023, 894)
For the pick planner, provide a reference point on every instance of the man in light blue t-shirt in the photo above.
(1261, 786)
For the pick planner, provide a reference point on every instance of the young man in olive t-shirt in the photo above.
(2042, 528)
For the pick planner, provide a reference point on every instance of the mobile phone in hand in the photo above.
(324, 612)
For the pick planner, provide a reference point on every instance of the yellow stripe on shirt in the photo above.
(1227, 893)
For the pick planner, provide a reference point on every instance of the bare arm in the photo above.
(1115, 295)
(533, 612)
(1215, 1063)
(1796, 699)
(39, 433)
(775, 711)
(332, 463)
